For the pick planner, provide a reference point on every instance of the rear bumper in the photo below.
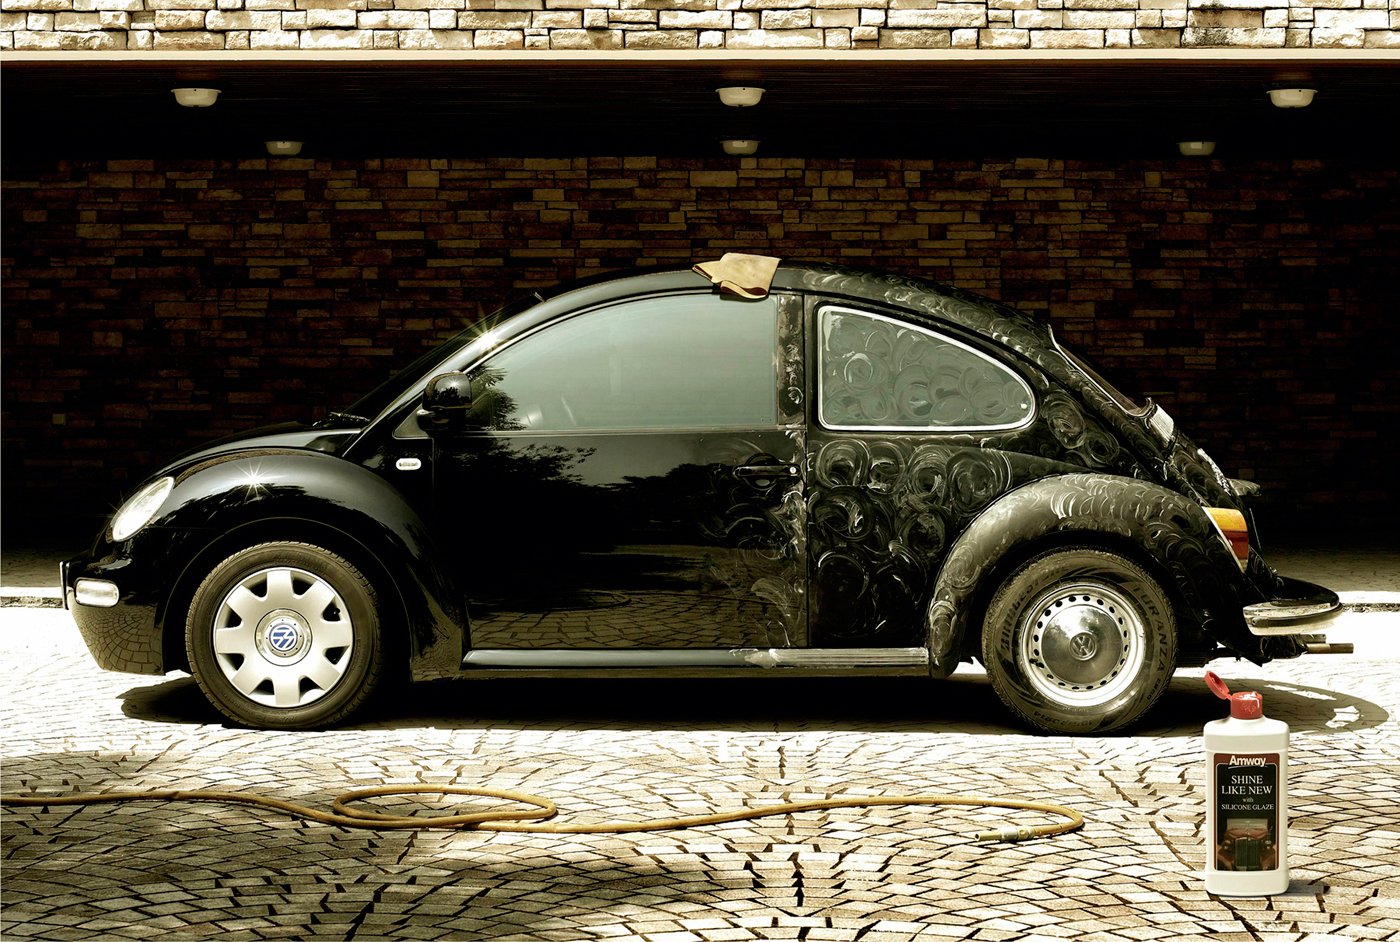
(1301, 609)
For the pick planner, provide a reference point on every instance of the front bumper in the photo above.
(1299, 608)
(121, 637)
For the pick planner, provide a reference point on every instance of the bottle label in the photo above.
(1245, 793)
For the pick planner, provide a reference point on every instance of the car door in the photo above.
(912, 436)
(629, 478)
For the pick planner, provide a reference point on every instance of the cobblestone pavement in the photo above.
(635, 749)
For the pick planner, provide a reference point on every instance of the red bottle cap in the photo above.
(1243, 706)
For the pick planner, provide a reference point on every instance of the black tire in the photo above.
(298, 637)
(1079, 640)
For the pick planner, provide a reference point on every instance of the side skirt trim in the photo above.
(686, 658)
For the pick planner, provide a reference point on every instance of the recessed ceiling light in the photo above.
(1197, 148)
(740, 96)
(196, 97)
(1291, 97)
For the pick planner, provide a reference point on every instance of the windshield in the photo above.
(382, 396)
(1129, 405)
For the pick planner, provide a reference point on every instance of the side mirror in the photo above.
(446, 399)
(448, 392)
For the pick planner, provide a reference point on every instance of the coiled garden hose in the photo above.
(532, 820)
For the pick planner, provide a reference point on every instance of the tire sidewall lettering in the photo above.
(1071, 566)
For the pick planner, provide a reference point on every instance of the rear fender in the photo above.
(1169, 529)
(225, 504)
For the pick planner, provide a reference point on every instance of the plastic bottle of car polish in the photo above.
(1247, 804)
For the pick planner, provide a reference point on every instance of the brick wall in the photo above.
(692, 24)
(150, 305)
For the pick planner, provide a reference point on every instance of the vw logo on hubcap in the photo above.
(282, 636)
(1084, 646)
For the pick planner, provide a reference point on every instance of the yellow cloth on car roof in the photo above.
(748, 276)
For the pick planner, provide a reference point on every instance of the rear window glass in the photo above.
(880, 373)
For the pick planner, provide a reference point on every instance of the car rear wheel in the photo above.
(285, 636)
(1079, 640)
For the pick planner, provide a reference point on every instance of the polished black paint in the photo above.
(329, 436)
(230, 500)
(629, 540)
(662, 538)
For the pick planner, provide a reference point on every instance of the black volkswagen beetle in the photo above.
(837, 472)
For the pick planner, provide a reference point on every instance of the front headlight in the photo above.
(140, 508)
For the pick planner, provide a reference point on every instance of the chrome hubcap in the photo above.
(1082, 644)
(283, 637)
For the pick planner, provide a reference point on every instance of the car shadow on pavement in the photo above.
(965, 703)
(1188, 705)
(174, 700)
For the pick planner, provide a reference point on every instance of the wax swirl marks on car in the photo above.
(791, 370)
(1170, 527)
(1012, 327)
(976, 478)
(881, 514)
(1198, 475)
(878, 372)
(1081, 436)
(1022, 333)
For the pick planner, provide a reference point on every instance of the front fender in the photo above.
(220, 503)
(1170, 529)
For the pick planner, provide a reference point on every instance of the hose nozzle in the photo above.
(1005, 834)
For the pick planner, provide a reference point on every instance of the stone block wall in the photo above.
(152, 305)
(694, 24)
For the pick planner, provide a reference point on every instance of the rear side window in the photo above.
(680, 361)
(879, 373)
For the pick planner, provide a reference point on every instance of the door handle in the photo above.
(766, 471)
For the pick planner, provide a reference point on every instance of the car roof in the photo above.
(924, 298)
(916, 299)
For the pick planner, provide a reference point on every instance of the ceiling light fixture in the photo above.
(1197, 148)
(196, 97)
(740, 96)
(283, 148)
(740, 147)
(1291, 97)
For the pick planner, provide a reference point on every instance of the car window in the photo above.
(677, 361)
(383, 395)
(879, 373)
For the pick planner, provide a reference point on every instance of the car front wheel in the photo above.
(1079, 640)
(285, 636)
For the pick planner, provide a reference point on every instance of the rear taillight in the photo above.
(1234, 530)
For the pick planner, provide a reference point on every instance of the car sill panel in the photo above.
(692, 658)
